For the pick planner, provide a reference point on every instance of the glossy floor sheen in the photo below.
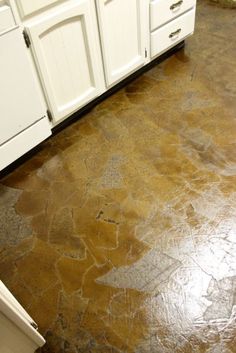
(119, 234)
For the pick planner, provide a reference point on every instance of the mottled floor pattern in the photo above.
(119, 234)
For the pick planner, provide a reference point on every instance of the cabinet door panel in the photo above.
(27, 7)
(122, 29)
(66, 50)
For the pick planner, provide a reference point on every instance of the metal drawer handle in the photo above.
(175, 33)
(177, 4)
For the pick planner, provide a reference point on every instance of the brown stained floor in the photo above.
(119, 235)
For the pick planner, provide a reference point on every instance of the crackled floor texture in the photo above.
(119, 234)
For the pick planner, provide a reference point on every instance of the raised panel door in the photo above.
(67, 53)
(123, 36)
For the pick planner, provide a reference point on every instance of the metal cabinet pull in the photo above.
(177, 4)
(175, 33)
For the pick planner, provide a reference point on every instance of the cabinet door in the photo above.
(124, 36)
(20, 100)
(66, 50)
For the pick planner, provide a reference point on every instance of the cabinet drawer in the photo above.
(27, 7)
(172, 33)
(6, 18)
(163, 11)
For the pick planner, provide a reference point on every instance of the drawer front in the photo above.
(163, 11)
(27, 7)
(6, 18)
(172, 33)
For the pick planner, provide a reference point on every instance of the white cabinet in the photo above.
(124, 36)
(78, 50)
(23, 121)
(18, 333)
(17, 81)
(66, 49)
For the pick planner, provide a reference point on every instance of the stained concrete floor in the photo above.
(119, 234)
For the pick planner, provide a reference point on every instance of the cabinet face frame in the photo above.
(113, 76)
(84, 11)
